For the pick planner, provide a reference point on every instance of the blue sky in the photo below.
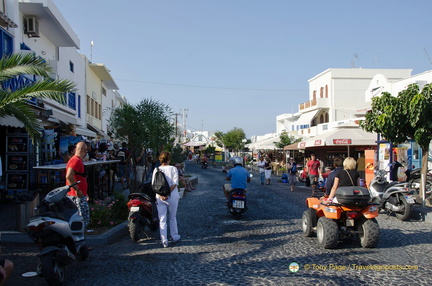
(240, 63)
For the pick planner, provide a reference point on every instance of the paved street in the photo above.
(255, 250)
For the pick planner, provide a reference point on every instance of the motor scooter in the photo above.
(237, 202)
(393, 197)
(58, 229)
(414, 180)
(142, 212)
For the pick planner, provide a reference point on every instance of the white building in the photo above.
(335, 96)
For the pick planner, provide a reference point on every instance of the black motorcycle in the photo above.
(414, 182)
(142, 211)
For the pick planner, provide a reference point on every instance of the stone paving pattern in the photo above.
(216, 249)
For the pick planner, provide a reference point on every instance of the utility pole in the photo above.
(184, 115)
(176, 125)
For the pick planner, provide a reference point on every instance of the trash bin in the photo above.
(24, 211)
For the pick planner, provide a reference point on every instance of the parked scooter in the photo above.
(414, 180)
(58, 229)
(393, 197)
(142, 212)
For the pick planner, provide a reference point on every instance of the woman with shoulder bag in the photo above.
(167, 205)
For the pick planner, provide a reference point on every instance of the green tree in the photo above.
(285, 140)
(146, 125)
(219, 138)
(233, 139)
(406, 116)
(15, 102)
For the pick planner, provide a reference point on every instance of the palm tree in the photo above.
(14, 101)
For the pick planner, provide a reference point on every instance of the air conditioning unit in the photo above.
(31, 27)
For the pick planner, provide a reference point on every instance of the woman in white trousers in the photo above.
(167, 205)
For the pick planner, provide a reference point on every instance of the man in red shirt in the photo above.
(75, 171)
(314, 172)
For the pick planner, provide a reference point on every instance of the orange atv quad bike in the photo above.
(351, 216)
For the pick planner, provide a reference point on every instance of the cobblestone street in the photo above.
(254, 250)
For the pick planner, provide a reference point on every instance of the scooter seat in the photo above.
(140, 195)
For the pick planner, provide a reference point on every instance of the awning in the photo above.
(84, 132)
(295, 146)
(344, 136)
(97, 130)
(264, 144)
(11, 121)
(63, 116)
(194, 143)
(306, 118)
(6, 21)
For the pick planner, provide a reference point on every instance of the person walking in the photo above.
(292, 173)
(314, 172)
(261, 169)
(267, 170)
(167, 205)
(75, 171)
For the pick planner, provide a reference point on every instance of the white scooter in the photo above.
(393, 197)
(58, 229)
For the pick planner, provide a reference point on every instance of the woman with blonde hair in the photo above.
(346, 177)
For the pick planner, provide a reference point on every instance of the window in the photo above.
(79, 106)
(71, 66)
(88, 105)
(6, 47)
(103, 91)
(72, 100)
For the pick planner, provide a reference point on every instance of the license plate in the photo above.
(134, 209)
(409, 199)
(238, 204)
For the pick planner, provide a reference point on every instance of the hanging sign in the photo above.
(342, 141)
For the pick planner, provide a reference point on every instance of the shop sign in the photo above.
(317, 143)
(342, 141)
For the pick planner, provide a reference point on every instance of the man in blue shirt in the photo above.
(238, 175)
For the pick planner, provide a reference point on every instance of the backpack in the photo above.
(160, 184)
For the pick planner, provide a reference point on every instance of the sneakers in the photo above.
(172, 241)
(165, 244)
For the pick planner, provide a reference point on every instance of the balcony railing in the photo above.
(308, 104)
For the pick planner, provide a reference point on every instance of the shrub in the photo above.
(108, 212)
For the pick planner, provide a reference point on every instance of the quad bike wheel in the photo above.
(327, 233)
(309, 221)
(368, 233)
